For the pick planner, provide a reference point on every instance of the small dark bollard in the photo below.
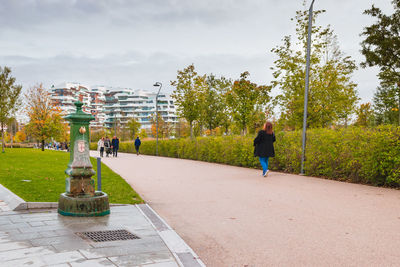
(98, 174)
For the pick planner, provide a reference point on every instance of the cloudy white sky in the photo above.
(134, 43)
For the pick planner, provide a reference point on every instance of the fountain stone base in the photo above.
(84, 206)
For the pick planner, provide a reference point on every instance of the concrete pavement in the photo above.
(232, 216)
(132, 235)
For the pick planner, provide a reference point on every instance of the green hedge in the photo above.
(360, 155)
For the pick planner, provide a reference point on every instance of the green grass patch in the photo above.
(43, 172)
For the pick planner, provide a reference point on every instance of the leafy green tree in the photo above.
(381, 47)
(45, 120)
(245, 98)
(332, 94)
(212, 102)
(143, 133)
(365, 115)
(133, 126)
(9, 99)
(186, 95)
(386, 104)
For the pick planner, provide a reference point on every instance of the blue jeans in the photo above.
(264, 163)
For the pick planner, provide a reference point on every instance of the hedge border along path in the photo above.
(353, 154)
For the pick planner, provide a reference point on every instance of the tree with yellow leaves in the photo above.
(45, 120)
(20, 137)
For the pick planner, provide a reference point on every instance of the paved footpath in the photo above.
(45, 238)
(132, 235)
(232, 216)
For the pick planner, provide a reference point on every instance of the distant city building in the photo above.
(114, 107)
(65, 94)
(97, 102)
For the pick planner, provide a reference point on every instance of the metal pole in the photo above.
(115, 124)
(157, 84)
(157, 125)
(303, 153)
(398, 107)
(98, 174)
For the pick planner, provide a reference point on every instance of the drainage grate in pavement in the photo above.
(109, 235)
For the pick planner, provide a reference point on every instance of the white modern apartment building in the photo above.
(114, 106)
(96, 106)
(65, 94)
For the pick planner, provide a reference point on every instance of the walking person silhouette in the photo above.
(264, 146)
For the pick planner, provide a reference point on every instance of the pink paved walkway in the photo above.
(232, 216)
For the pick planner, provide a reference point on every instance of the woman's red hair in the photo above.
(268, 127)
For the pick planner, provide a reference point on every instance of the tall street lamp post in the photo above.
(303, 153)
(157, 84)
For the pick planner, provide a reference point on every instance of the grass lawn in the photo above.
(44, 172)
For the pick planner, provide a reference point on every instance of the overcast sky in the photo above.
(134, 43)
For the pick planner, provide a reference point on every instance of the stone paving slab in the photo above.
(45, 238)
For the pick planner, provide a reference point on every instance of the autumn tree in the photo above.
(332, 93)
(365, 115)
(386, 104)
(182, 128)
(143, 133)
(245, 99)
(133, 126)
(164, 128)
(9, 99)
(381, 47)
(186, 95)
(45, 119)
(12, 128)
(20, 136)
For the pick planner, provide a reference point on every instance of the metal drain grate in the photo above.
(109, 235)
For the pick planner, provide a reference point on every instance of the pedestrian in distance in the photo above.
(107, 146)
(137, 145)
(100, 146)
(264, 146)
(115, 146)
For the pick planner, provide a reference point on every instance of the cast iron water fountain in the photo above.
(80, 198)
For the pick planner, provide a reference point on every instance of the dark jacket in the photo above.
(138, 142)
(115, 143)
(107, 143)
(264, 145)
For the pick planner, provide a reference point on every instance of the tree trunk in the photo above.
(399, 103)
(398, 87)
(42, 145)
(11, 138)
(2, 139)
(191, 129)
(243, 128)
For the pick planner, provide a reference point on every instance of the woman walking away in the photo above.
(100, 146)
(264, 146)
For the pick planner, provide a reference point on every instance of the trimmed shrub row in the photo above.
(19, 145)
(359, 155)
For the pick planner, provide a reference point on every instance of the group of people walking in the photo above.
(112, 146)
(263, 146)
(109, 146)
